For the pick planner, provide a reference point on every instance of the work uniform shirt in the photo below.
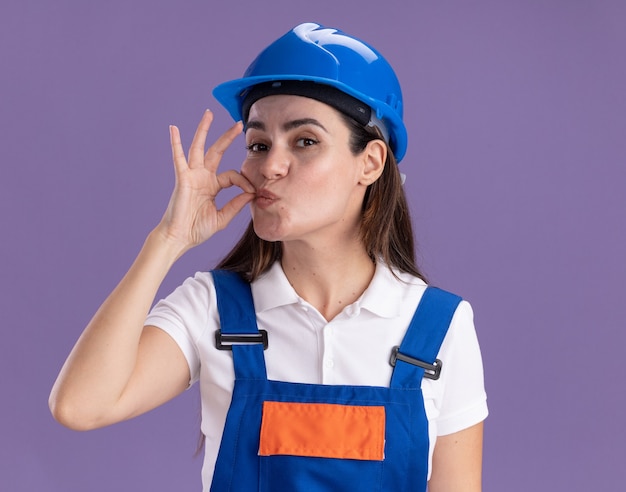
(353, 348)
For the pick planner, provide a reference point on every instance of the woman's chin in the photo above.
(266, 233)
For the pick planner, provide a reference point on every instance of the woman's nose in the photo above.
(276, 163)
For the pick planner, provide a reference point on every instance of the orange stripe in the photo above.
(323, 430)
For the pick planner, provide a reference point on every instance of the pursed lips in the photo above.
(265, 198)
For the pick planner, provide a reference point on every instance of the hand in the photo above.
(192, 216)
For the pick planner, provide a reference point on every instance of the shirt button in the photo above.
(352, 311)
(329, 363)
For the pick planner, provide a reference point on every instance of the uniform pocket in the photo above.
(323, 430)
(321, 446)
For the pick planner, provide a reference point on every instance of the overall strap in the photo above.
(238, 329)
(416, 356)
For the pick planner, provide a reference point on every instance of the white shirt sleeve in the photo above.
(463, 401)
(184, 315)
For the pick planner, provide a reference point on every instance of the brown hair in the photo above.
(386, 228)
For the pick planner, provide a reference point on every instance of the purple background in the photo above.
(516, 167)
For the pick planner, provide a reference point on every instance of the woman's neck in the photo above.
(329, 278)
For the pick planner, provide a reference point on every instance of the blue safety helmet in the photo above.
(313, 53)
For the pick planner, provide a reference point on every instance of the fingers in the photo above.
(233, 178)
(178, 154)
(212, 158)
(232, 208)
(196, 150)
(214, 155)
(197, 157)
(236, 204)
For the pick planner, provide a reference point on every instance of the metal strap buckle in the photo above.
(225, 341)
(431, 371)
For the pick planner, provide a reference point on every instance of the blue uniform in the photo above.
(313, 438)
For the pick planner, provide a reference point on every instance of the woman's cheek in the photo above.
(245, 169)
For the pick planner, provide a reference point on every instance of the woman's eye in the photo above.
(256, 147)
(305, 142)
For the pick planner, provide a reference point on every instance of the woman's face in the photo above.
(308, 181)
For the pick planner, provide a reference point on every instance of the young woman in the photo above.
(315, 340)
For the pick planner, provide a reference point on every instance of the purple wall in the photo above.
(516, 168)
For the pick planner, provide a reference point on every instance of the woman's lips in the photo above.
(265, 198)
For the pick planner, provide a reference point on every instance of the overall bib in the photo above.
(297, 437)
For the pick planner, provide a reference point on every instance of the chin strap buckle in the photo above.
(431, 371)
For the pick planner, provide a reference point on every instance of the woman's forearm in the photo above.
(101, 363)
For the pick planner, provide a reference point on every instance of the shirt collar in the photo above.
(382, 297)
(272, 289)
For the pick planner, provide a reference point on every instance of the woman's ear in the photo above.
(374, 158)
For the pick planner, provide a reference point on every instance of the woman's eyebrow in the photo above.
(255, 124)
(289, 125)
